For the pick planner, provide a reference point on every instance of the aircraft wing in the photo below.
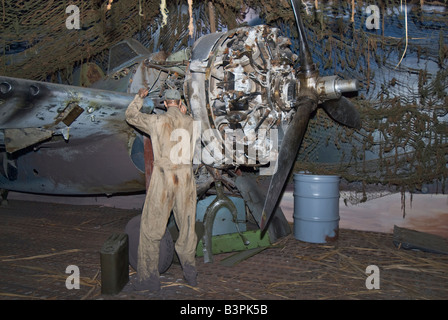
(34, 111)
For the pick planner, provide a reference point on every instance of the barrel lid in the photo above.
(313, 177)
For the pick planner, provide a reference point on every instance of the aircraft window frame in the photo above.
(123, 53)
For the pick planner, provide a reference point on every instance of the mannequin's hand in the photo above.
(143, 92)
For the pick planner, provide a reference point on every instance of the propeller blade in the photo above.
(343, 111)
(305, 58)
(286, 158)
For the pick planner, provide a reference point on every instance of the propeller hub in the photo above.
(331, 87)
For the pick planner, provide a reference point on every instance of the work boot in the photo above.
(190, 275)
(152, 284)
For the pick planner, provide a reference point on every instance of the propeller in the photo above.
(337, 106)
(343, 111)
(286, 157)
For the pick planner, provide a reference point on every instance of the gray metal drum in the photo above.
(316, 208)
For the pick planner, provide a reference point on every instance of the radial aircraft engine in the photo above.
(250, 95)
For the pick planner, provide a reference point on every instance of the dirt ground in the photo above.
(40, 240)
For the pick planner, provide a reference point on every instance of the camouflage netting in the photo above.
(401, 67)
(36, 43)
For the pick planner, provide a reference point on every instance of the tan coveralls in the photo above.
(172, 186)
